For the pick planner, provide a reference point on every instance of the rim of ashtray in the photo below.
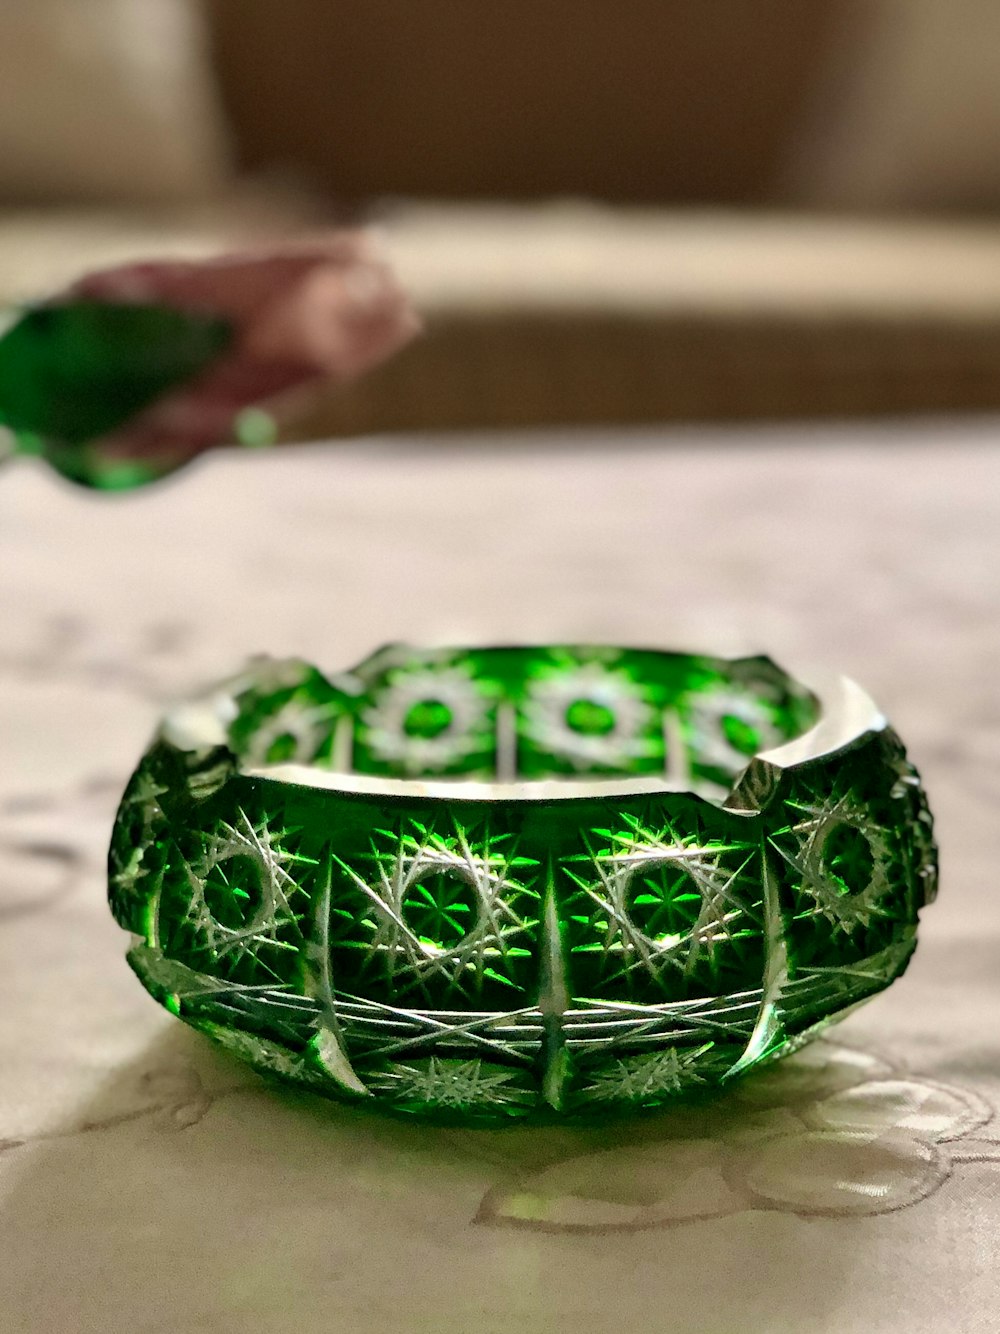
(846, 714)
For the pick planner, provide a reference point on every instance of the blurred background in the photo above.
(605, 214)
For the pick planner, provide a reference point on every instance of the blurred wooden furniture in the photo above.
(576, 314)
(525, 99)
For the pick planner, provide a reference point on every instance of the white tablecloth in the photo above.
(150, 1184)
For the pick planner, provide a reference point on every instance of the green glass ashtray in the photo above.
(511, 884)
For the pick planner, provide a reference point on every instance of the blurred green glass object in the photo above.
(519, 884)
(73, 372)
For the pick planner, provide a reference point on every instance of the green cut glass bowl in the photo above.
(510, 884)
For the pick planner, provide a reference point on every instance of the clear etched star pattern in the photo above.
(652, 1075)
(443, 1083)
(141, 814)
(822, 818)
(627, 876)
(301, 721)
(467, 703)
(477, 946)
(269, 922)
(551, 695)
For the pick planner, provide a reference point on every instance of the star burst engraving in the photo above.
(546, 714)
(301, 721)
(444, 1083)
(141, 815)
(651, 1075)
(908, 789)
(708, 713)
(465, 705)
(664, 901)
(445, 914)
(847, 878)
(241, 892)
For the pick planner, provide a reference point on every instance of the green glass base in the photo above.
(506, 885)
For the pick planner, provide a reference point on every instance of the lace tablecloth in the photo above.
(150, 1184)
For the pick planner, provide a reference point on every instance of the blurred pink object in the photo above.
(303, 318)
